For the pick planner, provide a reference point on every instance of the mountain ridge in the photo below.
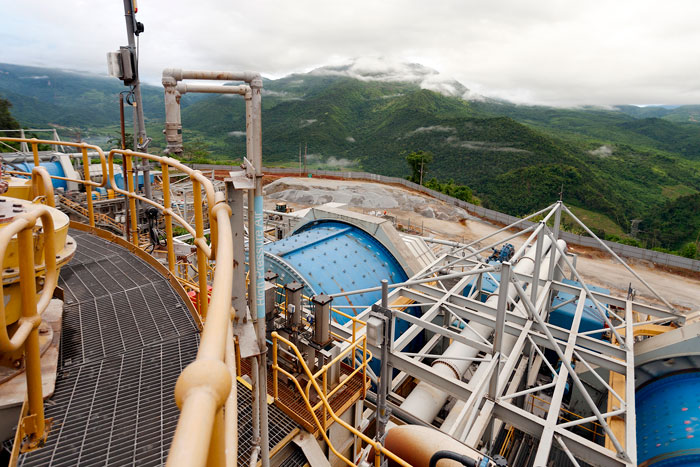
(516, 158)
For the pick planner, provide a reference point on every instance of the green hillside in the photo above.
(620, 163)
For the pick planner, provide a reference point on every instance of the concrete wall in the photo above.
(627, 251)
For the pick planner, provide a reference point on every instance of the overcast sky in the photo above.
(556, 52)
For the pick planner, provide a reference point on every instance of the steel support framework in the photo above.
(497, 402)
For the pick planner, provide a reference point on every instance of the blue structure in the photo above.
(54, 168)
(331, 257)
(119, 180)
(668, 421)
(564, 315)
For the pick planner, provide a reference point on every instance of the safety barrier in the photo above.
(323, 394)
(204, 386)
(87, 182)
(26, 335)
(199, 183)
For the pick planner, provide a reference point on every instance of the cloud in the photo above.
(238, 134)
(544, 52)
(330, 161)
(350, 139)
(603, 151)
(430, 129)
(305, 123)
(388, 70)
(481, 145)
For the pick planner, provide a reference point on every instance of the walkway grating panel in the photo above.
(127, 336)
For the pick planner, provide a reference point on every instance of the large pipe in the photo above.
(425, 401)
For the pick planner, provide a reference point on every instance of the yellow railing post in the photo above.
(364, 365)
(35, 151)
(325, 395)
(274, 367)
(31, 345)
(201, 257)
(88, 187)
(129, 179)
(168, 218)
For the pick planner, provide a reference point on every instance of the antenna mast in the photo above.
(141, 140)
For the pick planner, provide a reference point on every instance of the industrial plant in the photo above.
(158, 313)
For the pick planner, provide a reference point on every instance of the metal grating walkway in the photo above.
(126, 337)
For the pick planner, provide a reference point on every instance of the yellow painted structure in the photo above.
(20, 188)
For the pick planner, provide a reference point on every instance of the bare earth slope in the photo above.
(440, 220)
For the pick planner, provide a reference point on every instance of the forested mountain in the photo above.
(623, 163)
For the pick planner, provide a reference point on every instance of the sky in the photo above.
(549, 52)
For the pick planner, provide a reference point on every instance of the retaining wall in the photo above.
(627, 251)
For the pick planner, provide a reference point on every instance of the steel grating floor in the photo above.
(126, 337)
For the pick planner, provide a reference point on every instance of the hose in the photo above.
(464, 460)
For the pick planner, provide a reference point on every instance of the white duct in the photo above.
(425, 401)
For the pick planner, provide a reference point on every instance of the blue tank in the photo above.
(331, 257)
(668, 421)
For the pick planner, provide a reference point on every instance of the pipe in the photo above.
(462, 459)
(417, 444)
(180, 74)
(425, 401)
(184, 88)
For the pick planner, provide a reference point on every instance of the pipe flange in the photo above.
(449, 365)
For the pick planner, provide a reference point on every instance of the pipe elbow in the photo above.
(174, 73)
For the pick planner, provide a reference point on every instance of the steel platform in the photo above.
(126, 337)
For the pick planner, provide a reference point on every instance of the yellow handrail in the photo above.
(202, 388)
(327, 407)
(199, 182)
(26, 335)
(86, 165)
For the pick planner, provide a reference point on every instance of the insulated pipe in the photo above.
(507, 345)
(179, 74)
(183, 88)
(425, 401)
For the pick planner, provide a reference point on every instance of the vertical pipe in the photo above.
(201, 257)
(385, 373)
(255, 130)
(132, 202)
(127, 217)
(88, 187)
(31, 345)
(255, 402)
(235, 201)
(168, 217)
